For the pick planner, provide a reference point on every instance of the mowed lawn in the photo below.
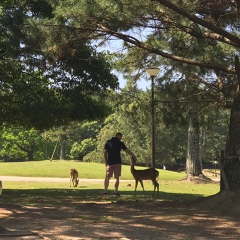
(172, 187)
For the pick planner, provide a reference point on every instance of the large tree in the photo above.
(201, 37)
(19, 144)
(48, 77)
(198, 36)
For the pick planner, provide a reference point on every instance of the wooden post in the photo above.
(54, 150)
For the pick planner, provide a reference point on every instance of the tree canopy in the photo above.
(48, 77)
(59, 43)
(198, 39)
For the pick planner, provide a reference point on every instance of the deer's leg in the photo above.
(141, 182)
(136, 184)
(156, 185)
(157, 188)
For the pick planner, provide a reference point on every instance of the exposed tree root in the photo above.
(201, 178)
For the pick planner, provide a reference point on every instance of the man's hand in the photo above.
(134, 158)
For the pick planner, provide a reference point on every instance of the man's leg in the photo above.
(106, 184)
(117, 174)
(109, 173)
(116, 184)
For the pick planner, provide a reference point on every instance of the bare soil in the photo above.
(215, 217)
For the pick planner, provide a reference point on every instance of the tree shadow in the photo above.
(85, 213)
(46, 195)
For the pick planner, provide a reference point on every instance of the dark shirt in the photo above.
(114, 147)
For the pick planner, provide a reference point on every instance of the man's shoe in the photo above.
(116, 194)
(104, 193)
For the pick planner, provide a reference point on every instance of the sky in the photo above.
(116, 46)
(141, 83)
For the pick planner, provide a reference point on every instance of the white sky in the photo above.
(116, 46)
(142, 84)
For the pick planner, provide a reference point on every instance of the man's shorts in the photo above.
(115, 168)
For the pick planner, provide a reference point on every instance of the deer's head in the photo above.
(133, 161)
(75, 182)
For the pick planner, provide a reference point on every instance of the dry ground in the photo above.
(215, 217)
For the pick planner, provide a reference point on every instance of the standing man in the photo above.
(113, 160)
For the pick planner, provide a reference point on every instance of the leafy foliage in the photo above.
(47, 78)
(21, 144)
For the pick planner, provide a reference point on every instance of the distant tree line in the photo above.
(54, 73)
(84, 141)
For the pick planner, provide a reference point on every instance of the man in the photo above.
(113, 161)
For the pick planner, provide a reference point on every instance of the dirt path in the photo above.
(48, 179)
(212, 218)
(126, 220)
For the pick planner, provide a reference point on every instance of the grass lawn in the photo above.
(171, 186)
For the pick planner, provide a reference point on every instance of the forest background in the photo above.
(60, 94)
(84, 141)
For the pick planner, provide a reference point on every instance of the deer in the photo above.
(145, 174)
(74, 177)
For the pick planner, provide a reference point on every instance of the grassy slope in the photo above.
(170, 185)
(61, 168)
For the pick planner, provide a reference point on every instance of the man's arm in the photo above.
(130, 153)
(105, 156)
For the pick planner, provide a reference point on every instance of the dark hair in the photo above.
(118, 134)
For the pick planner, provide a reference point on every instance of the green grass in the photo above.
(61, 169)
(48, 168)
(171, 186)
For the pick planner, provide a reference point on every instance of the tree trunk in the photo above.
(202, 144)
(30, 155)
(63, 147)
(193, 166)
(231, 161)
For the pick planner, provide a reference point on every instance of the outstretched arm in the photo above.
(130, 153)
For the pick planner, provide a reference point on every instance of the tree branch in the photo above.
(199, 21)
(139, 44)
(208, 35)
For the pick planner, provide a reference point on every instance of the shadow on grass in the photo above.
(100, 217)
(45, 196)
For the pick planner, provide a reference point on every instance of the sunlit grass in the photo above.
(169, 190)
(61, 168)
(54, 168)
(172, 188)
